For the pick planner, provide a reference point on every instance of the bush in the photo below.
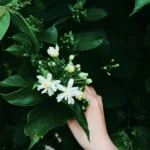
(111, 41)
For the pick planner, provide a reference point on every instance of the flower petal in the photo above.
(40, 87)
(60, 97)
(70, 83)
(61, 87)
(57, 47)
(53, 86)
(49, 76)
(50, 92)
(44, 91)
(72, 101)
(41, 78)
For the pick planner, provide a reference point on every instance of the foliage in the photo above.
(110, 41)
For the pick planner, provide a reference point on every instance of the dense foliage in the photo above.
(111, 42)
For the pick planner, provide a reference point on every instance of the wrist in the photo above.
(104, 143)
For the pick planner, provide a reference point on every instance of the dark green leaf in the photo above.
(45, 117)
(4, 23)
(13, 81)
(139, 4)
(24, 97)
(80, 117)
(16, 50)
(5, 1)
(82, 2)
(94, 14)
(25, 27)
(21, 38)
(49, 36)
(88, 41)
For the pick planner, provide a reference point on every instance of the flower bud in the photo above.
(89, 81)
(71, 57)
(80, 96)
(70, 68)
(78, 65)
(40, 62)
(53, 64)
(82, 75)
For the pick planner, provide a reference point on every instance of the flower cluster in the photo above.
(63, 80)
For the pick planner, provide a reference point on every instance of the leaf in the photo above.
(25, 27)
(24, 97)
(2, 10)
(82, 2)
(4, 23)
(139, 4)
(5, 1)
(94, 14)
(88, 41)
(49, 36)
(21, 38)
(45, 117)
(16, 50)
(80, 117)
(13, 81)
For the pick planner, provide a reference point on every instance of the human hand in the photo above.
(99, 139)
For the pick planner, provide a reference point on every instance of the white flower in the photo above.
(70, 68)
(68, 92)
(47, 84)
(53, 52)
(48, 147)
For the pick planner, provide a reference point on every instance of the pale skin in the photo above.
(99, 138)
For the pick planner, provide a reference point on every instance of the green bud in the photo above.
(71, 57)
(40, 62)
(89, 81)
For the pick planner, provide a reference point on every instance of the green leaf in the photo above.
(5, 1)
(2, 10)
(80, 117)
(24, 97)
(94, 14)
(88, 41)
(16, 50)
(19, 21)
(4, 23)
(49, 36)
(139, 4)
(45, 117)
(13, 81)
(21, 38)
(82, 2)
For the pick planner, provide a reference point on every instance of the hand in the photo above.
(99, 139)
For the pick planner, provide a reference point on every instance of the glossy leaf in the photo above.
(4, 23)
(94, 14)
(45, 117)
(80, 117)
(139, 4)
(49, 36)
(13, 81)
(88, 41)
(16, 50)
(24, 97)
(24, 27)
